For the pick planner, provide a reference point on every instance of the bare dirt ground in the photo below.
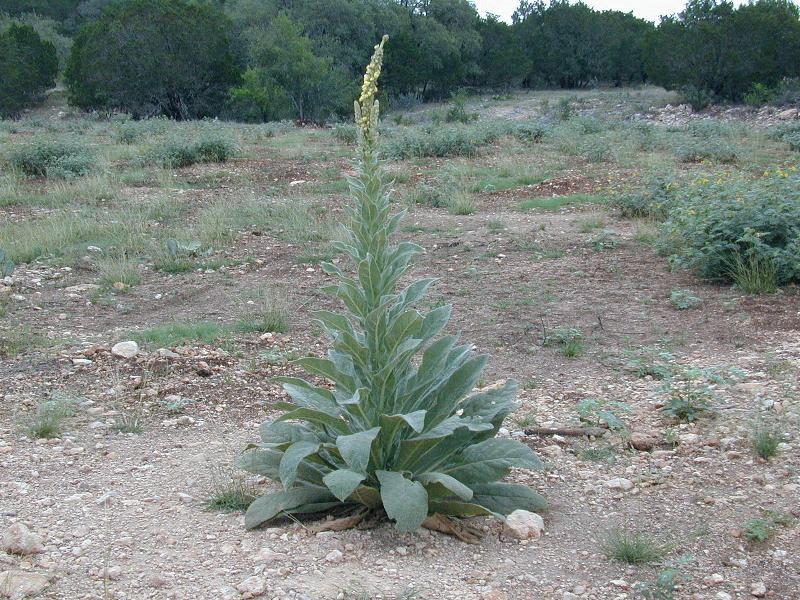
(123, 515)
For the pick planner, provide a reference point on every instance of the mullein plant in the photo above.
(398, 431)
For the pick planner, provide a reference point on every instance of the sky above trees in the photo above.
(651, 9)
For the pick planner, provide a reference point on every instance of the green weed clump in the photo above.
(747, 232)
(567, 339)
(175, 334)
(632, 547)
(696, 151)
(439, 142)
(766, 440)
(229, 490)
(174, 154)
(758, 531)
(457, 112)
(684, 299)
(400, 433)
(52, 160)
(344, 133)
(48, 419)
(265, 311)
(652, 202)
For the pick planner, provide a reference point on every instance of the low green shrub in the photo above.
(759, 95)
(721, 229)
(438, 142)
(53, 160)
(457, 112)
(529, 132)
(714, 150)
(697, 98)
(684, 299)
(651, 202)
(344, 133)
(174, 154)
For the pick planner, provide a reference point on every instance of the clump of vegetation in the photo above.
(28, 67)
(602, 413)
(765, 440)
(460, 202)
(529, 132)
(652, 202)
(177, 153)
(734, 230)
(684, 299)
(754, 274)
(55, 160)
(457, 112)
(175, 334)
(396, 436)
(605, 240)
(129, 421)
(229, 490)
(48, 419)
(567, 339)
(439, 142)
(695, 151)
(345, 133)
(760, 530)
(651, 362)
(689, 401)
(265, 311)
(689, 392)
(633, 547)
(7, 265)
(426, 195)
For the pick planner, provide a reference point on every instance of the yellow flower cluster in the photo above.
(366, 108)
(781, 171)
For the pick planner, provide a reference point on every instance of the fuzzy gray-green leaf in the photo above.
(266, 508)
(292, 457)
(405, 501)
(490, 460)
(356, 448)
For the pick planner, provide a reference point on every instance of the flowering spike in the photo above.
(367, 108)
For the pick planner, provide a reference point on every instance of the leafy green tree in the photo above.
(401, 434)
(571, 45)
(283, 63)
(28, 68)
(59, 10)
(154, 57)
(716, 48)
(47, 28)
(502, 61)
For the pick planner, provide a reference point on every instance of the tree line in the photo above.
(258, 60)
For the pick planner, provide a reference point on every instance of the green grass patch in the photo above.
(559, 202)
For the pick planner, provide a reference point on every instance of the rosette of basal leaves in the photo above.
(397, 428)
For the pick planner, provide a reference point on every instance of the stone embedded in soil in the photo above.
(252, 587)
(758, 589)
(21, 584)
(643, 442)
(524, 525)
(334, 556)
(18, 539)
(125, 349)
(619, 483)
